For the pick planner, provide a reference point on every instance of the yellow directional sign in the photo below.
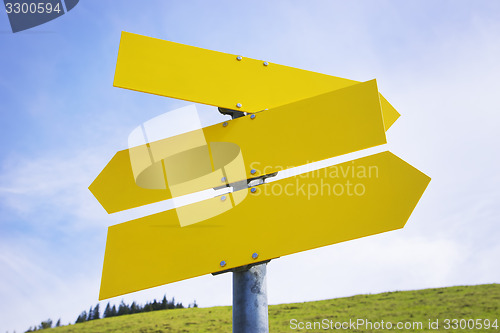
(116, 190)
(354, 199)
(294, 117)
(312, 129)
(226, 80)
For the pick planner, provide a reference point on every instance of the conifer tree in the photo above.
(89, 314)
(123, 309)
(133, 308)
(95, 313)
(82, 317)
(164, 302)
(155, 305)
(107, 311)
(148, 307)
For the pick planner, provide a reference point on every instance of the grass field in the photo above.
(464, 302)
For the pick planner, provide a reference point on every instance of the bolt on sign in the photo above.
(250, 217)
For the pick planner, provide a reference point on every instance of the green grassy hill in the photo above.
(465, 302)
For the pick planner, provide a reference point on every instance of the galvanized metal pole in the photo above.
(250, 300)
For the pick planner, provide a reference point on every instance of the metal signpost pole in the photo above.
(250, 314)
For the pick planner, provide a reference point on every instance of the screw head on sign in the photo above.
(266, 63)
(222, 263)
(223, 198)
(223, 179)
(239, 58)
(252, 116)
(253, 171)
(224, 124)
(238, 105)
(253, 190)
(255, 255)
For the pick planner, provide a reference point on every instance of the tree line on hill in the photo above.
(94, 313)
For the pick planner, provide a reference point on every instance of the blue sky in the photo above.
(62, 120)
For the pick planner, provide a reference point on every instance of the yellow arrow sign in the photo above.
(312, 129)
(297, 117)
(359, 198)
(226, 80)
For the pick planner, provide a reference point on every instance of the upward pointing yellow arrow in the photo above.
(198, 75)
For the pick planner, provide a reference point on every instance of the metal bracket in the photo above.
(260, 179)
(247, 183)
(233, 113)
(243, 268)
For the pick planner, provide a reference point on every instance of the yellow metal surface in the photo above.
(305, 131)
(115, 187)
(203, 76)
(359, 198)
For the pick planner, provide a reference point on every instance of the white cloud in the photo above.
(43, 191)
